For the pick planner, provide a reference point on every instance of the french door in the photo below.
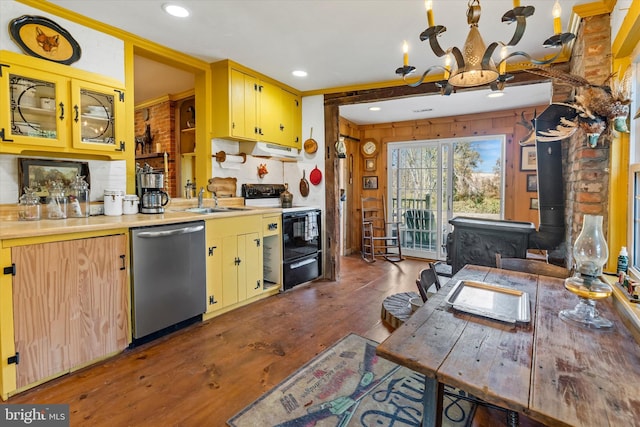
(431, 181)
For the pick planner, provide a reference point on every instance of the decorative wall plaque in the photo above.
(41, 37)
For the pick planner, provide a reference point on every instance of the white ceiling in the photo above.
(340, 43)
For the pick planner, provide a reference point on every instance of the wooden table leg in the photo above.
(432, 403)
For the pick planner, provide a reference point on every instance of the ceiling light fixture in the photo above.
(299, 73)
(495, 94)
(474, 63)
(374, 108)
(175, 10)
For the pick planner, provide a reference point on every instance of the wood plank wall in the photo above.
(517, 199)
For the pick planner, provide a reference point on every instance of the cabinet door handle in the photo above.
(77, 111)
(257, 242)
(211, 249)
(61, 105)
(237, 261)
(257, 285)
(281, 127)
(124, 266)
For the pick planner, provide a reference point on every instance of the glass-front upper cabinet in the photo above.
(55, 108)
(96, 110)
(37, 108)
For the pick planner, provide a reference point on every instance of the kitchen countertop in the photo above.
(12, 228)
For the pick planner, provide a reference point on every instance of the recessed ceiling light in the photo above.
(374, 108)
(175, 10)
(495, 95)
(299, 73)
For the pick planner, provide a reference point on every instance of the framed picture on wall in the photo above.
(370, 164)
(528, 158)
(533, 203)
(532, 183)
(38, 173)
(370, 182)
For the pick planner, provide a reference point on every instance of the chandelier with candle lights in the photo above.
(474, 64)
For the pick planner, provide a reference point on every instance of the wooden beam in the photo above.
(332, 202)
(368, 95)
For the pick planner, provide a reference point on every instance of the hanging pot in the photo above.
(315, 176)
(310, 145)
(304, 186)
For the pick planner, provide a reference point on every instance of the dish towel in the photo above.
(311, 226)
(299, 229)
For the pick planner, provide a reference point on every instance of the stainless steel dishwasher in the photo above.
(169, 276)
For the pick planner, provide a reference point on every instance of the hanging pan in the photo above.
(315, 176)
(310, 145)
(304, 186)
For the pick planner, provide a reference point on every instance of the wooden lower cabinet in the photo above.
(70, 305)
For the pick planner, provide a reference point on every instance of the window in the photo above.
(633, 233)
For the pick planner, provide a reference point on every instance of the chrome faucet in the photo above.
(215, 199)
(201, 197)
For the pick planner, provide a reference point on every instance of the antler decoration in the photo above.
(596, 105)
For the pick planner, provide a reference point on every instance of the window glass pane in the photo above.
(635, 252)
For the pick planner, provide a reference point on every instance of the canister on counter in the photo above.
(79, 198)
(130, 204)
(113, 202)
(57, 201)
(29, 205)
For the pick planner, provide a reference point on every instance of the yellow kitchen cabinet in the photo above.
(241, 267)
(243, 119)
(252, 107)
(55, 108)
(235, 269)
(214, 270)
(291, 119)
(69, 301)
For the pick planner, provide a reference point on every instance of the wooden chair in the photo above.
(379, 236)
(427, 278)
(532, 266)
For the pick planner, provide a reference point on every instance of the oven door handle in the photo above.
(302, 263)
(185, 230)
(298, 214)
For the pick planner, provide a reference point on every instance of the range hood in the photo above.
(268, 149)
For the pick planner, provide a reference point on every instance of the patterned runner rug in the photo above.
(348, 385)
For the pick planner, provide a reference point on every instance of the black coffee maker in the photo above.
(149, 185)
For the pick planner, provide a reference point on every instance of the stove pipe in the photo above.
(551, 201)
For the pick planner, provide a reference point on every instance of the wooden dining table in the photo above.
(552, 371)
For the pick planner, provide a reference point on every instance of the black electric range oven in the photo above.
(301, 245)
(301, 234)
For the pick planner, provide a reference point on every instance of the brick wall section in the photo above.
(162, 121)
(586, 169)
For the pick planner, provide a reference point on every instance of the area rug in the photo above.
(349, 385)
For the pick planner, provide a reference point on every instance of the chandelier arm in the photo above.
(519, 31)
(458, 57)
(534, 60)
(421, 80)
(432, 34)
(486, 58)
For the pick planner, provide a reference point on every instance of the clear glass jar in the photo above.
(79, 198)
(56, 201)
(29, 205)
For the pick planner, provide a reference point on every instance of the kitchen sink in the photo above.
(216, 209)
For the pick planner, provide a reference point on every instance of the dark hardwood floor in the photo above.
(203, 374)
